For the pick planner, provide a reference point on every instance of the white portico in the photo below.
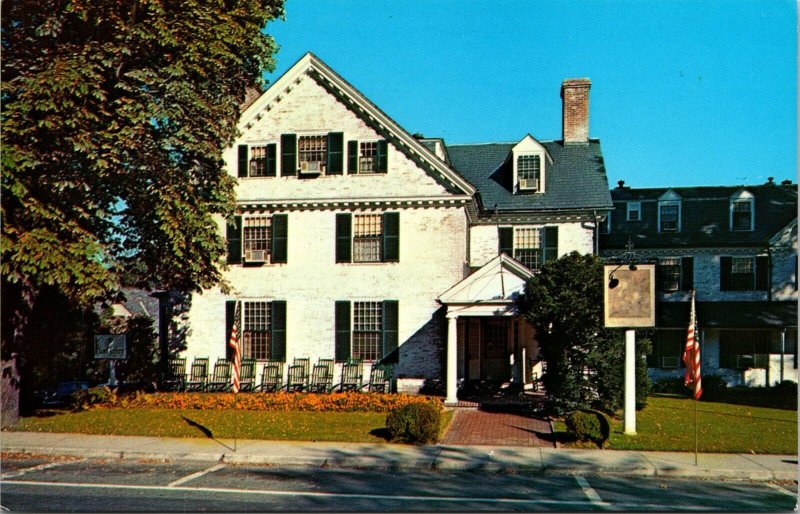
(487, 339)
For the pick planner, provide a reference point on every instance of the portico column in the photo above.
(452, 361)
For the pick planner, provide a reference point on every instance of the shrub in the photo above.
(94, 396)
(588, 425)
(415, 423)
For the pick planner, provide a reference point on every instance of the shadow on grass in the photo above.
(207, 432)
(383, 433)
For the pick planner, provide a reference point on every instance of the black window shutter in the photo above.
(272, 161)
(762, 273)
(383, 156)
(230, 312)
(278, 336)
(280, 237)
(243, 165)
(288, 155)
(234, 237)
(550, 244)
(390, 324)
(342, 351)
(343, 232)
(335, 153)
(391, 236)
(725, 274)
(352, 157)
(506, 236)
(687, 273)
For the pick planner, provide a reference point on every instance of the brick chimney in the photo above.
(575, 111)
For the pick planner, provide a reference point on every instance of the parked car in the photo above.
(61, 395)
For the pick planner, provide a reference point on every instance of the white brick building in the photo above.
(354, 239)
(737, 247)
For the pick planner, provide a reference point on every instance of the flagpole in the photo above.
(695, 432)
(236, 422)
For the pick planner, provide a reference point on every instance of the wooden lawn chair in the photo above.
(321, 379)
(352, 376)
(176, 375)
(271, 377)
(379, 378)
(247, 375)
(305, 362)
(221, 379)
(198, 375)
(297, 378)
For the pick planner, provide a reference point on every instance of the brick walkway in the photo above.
(474, 427)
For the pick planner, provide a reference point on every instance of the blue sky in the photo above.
(683, 92)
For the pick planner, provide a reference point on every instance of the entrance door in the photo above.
(495, 350)
(473, 346)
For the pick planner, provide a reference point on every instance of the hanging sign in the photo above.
(110, 346)
(629, 295)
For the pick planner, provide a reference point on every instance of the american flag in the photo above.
(233, 342)
(691, 355)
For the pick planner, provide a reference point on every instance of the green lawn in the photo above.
(667, 424)
(355, 427)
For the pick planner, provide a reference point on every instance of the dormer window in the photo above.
(529, 160)
(529, 171)
(669, 212)
(634, 211)
(742, 212)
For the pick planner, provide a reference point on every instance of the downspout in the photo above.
(783, 350)
(769, 274)
(596, 231)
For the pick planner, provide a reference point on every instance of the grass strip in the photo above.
(667, 424)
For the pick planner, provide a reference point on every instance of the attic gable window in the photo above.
(669, 212)
(529, 172)
(742, 212)
(529, 160)
(312, 153)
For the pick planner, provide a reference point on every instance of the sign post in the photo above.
(111, 347)
(629, 302)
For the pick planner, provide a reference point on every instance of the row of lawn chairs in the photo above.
(300, 376)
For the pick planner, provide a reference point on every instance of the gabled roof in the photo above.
(500, 280)
(574, 180)
(705, 217)
(311, 66)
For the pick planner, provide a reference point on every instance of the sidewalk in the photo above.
(402, 457)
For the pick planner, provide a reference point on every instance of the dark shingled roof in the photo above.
(705, 217)
(576, 179)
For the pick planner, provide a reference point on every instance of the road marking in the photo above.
(195, 475)
(781, 489)
(218, 490)
(20, 472)
(590, 493)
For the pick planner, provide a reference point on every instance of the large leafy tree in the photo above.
(585, 361)
(114, 117)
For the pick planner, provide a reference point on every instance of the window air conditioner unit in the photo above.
(255, 256)
(529, 184)
(670, 362)
(311, 167)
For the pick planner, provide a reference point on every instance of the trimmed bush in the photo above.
(415, 423)
(588, 425)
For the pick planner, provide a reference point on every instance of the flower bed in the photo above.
(308, 402)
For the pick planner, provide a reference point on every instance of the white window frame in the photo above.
(247, 342)
(670, 203)
(321, 167)
(362, 146)
(537, 180)
(539, 242)
(634, 207)
(742, 197)
(267, 224)
(377, 308)
(529, 146)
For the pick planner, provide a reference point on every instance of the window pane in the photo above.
(742, 215)
(367, 330)
(529, 167)
(742, 349)
(527, 246)
(256, 331)
(312, 149)
(258, 161)
(257, 234)
(669, 274)
(367, 238)
(669, 218)
(634, 209)
(742, 274)
(368, 157)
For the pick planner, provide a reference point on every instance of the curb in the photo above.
(421, 463)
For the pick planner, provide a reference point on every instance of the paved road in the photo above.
(69, 484)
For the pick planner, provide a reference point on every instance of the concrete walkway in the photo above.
(403, 457)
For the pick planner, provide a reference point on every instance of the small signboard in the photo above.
(110, 346)
(629, 296)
